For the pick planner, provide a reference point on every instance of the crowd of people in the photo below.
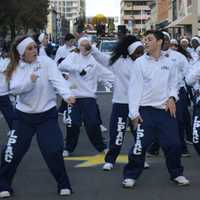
(155, 81)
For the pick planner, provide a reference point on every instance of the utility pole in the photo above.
(141, 21)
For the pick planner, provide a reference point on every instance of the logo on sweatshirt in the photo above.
(173, 59)
(164, 67)
(88, 67)
(37, 67)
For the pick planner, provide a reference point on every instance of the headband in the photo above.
(166, 34)
(134, 46)
(21, 47)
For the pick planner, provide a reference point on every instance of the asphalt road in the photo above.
(34, 182)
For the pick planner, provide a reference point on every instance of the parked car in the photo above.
(107, 46)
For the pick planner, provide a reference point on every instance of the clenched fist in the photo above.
(71, 100)
(34, 77)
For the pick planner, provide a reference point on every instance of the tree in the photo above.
(99, 22)
(111, 25)
(33, 14)
(18, 15)
(99, 19)
(8, 16)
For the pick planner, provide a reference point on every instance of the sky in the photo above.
(106, 7)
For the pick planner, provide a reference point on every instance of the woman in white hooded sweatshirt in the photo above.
(84, 73)
(34, 80)
(129, 48)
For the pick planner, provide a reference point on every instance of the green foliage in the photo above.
(22, 15)
(99, 19)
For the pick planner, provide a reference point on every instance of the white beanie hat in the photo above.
(196, 38)
(82, 39)
(198, 50)
(173, 41)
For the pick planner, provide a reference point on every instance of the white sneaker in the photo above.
(128, 183)
(65, 192)
(146, 165)
(107, 166)
(5, 194)
(181, 181)
(108, 89)
(65, 153)
(61, 114)
(103, 128)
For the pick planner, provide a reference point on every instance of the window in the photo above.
(189, 3)
(69, 15)
(69, 4)
(68, 9)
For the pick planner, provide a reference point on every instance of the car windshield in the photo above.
(107, 46)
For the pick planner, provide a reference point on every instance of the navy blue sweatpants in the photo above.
(118, 122)
(85, 109)
(183, 119)
(7, 109)
(155, 121)
(50, 141)
(62, 107)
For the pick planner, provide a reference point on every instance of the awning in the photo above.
(186, 20)
(162, 24)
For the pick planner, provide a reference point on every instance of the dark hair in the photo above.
(158, 34)
(121, 48)
(184, 52)
(14, 57)
(35, 38)
(69, 36)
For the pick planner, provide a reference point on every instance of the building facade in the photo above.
(135, 14)
(70, 9)
(180, 17)
(53, 24)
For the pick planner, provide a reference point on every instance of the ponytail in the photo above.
(14, 58)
